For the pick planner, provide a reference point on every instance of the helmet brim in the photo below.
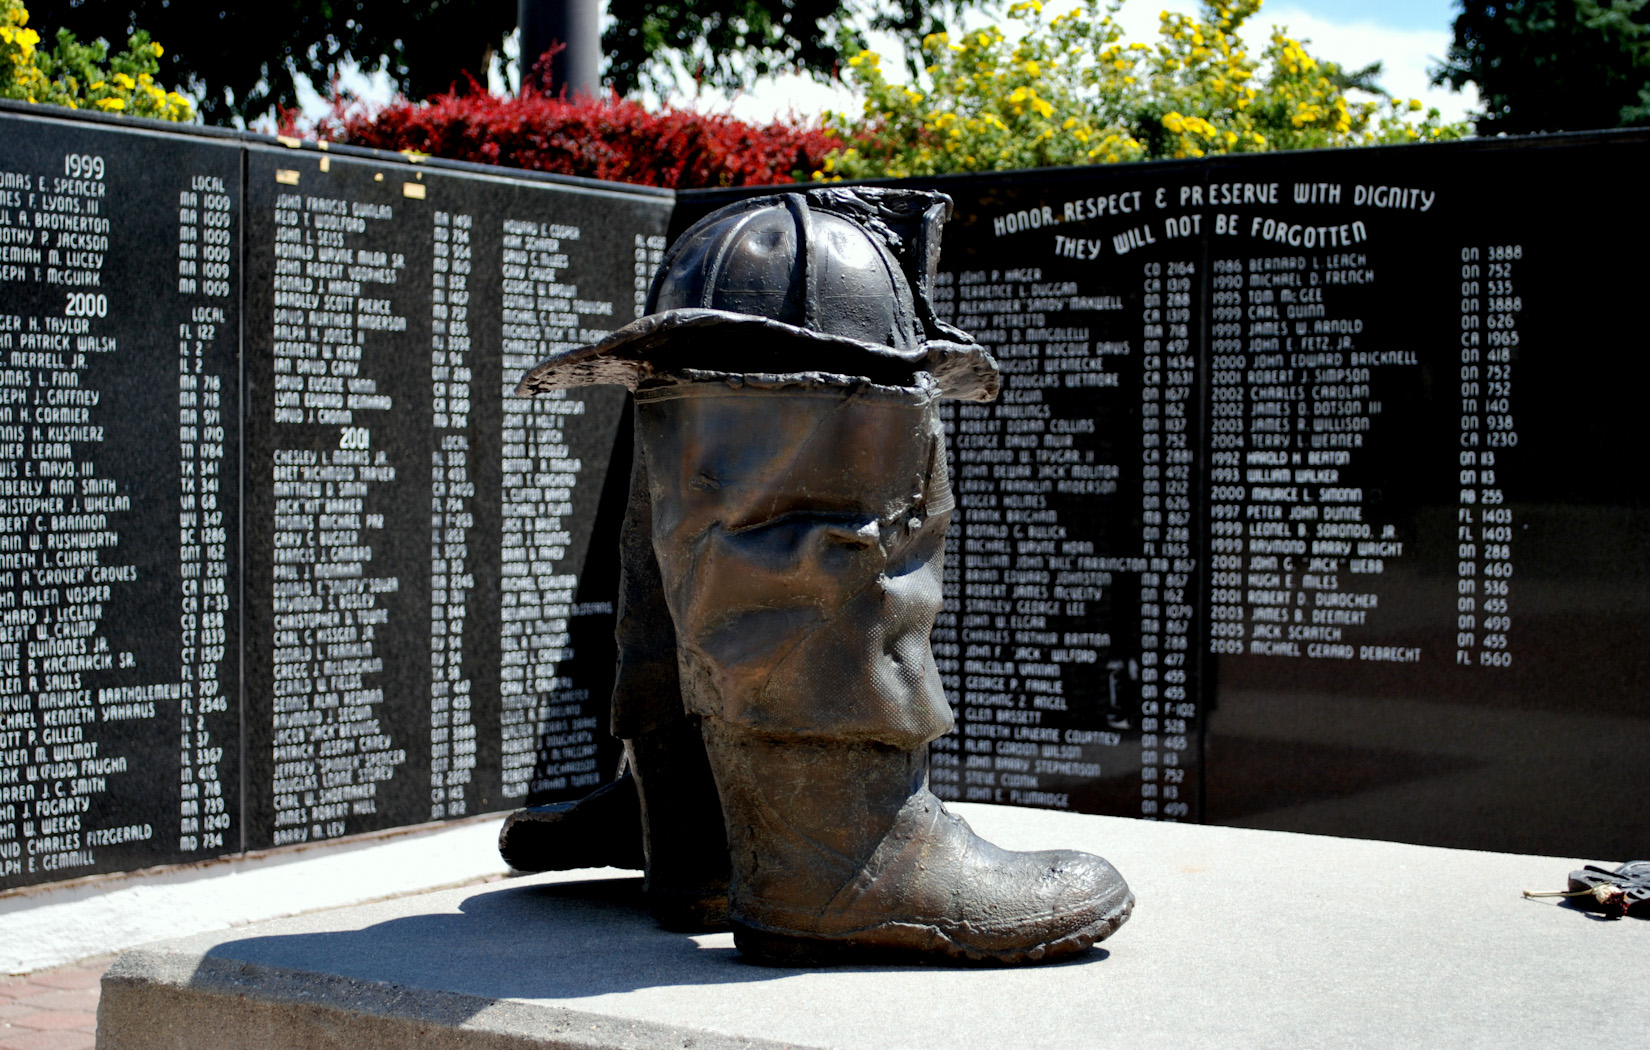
(723, 341)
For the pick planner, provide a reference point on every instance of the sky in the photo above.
(1406, 36)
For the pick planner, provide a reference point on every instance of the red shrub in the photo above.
(609, 138)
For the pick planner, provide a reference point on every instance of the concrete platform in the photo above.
(48, 926)
(1241, 939)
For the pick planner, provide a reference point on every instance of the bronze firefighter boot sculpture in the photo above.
(787, 384)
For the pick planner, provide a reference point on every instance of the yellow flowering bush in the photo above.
(1072, 90)
(17, 50)
(83, 76)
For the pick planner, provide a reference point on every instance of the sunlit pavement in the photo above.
(51, 1009)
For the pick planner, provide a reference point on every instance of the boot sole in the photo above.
(905, 942)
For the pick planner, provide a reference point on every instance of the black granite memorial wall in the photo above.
(1432, 620)
(397, 673)
(1078, 565)
(1411, 574)
(120, 499)
(208, 341)
(1310, 502)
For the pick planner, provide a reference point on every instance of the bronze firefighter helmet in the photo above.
(833, 281)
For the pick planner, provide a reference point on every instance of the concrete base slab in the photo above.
(1241, 938)
(55, 924)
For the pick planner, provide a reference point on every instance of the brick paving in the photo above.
(51, 1009)
(57, 1009)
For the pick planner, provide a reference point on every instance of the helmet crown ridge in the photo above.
(832, 281)
(749, 263)
(786, 261)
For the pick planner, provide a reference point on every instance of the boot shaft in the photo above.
(803, 817)
(799, 529)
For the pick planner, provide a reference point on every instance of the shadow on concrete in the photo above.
(555, 941)
(568, 940)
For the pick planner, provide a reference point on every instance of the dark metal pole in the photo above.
(575, 23)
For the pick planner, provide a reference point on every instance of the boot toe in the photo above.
(1027, 907)
(603, 829)
(936, 889)
(1082, 883)
(1090, 902)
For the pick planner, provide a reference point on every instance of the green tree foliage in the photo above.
(83, 76)
(1074, 91)
(1553, 65)
(727, 43)
(243, 59)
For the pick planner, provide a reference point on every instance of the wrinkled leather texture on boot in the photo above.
(799, 524)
